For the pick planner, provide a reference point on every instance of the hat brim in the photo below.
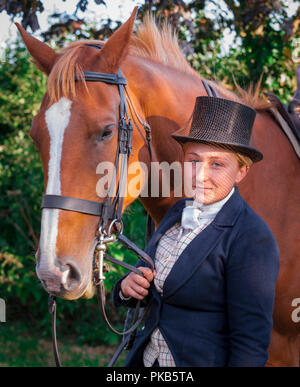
(254, 154)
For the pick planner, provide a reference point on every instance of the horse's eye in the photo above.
(106, 133)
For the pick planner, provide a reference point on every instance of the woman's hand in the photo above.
(136, 286)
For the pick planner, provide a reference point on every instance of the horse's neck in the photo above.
(166, 97)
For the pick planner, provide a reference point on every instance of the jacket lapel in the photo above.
(202, 245)
(191, 258)
(171, 217)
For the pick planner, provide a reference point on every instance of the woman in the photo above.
(216, 260)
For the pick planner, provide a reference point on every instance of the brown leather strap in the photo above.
(211, 91)
(123, 264)
(113, 79)
(70, 203)
(150, 228)
(101, 301)
(139, 252)
(52, 311)
(280, 107)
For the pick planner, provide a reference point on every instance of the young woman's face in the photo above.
(210, 172)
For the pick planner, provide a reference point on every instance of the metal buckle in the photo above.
(101, 248)
(113, 222)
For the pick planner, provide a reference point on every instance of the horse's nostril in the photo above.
(71, 276)
(62, 277)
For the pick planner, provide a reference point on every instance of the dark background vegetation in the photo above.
(267, 41)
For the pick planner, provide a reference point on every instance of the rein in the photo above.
(109, 210)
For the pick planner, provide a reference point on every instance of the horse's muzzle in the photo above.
(60, 279)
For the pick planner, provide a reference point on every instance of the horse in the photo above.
(75, 129)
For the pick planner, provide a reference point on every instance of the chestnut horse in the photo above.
(76, 128)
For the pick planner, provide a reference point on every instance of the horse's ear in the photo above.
(43, 55)
(116, 48)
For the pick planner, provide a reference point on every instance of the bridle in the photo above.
(109, 211)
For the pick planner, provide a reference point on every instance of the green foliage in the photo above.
(21, 89)
(22, 346)
(265, 38)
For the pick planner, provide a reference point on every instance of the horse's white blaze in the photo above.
(57, 119)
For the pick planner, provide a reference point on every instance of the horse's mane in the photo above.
(151, 42)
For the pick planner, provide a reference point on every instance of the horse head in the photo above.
(75, 129)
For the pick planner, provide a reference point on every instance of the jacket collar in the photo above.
(229, 213)
(225, 217)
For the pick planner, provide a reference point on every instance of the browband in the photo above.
(93, 76)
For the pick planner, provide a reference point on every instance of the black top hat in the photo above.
(221, 121)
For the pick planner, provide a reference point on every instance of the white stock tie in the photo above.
(196, 213)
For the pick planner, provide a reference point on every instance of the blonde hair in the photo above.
(243, 160)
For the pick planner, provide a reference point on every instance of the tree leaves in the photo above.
(26, 8)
